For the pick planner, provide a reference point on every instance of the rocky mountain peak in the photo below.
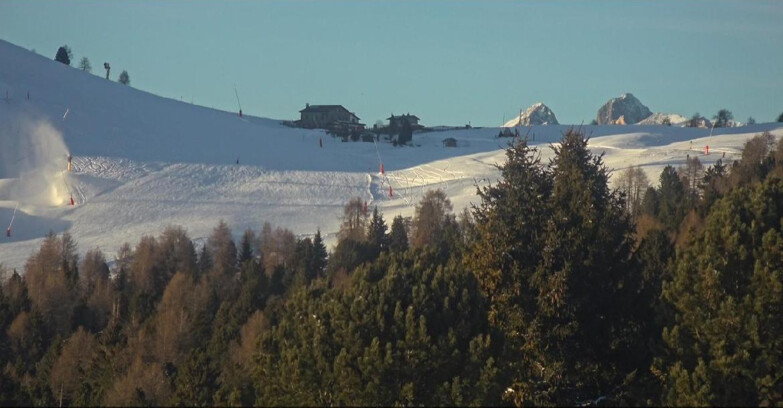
(627, 107)
(538, 114)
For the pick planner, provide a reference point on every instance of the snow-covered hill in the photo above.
(142, 162)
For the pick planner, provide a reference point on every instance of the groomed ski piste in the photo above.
(142, 162)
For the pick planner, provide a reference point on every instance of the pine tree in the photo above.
(723, 117)
(671, 196)
(377, 237)
(507, 251)
(195, 382)
(554, 259)
(398, 237)
(319, 255)
(246, 246)
(64, 55)
(584, 326)
(724, 340)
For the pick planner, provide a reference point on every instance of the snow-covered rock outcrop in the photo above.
(672, 119)
(538, 114)
(627, 107)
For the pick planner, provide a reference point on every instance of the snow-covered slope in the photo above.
(142, 162)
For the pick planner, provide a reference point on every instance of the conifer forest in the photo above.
(556, 288)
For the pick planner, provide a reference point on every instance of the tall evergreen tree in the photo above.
(377, 238)
(725, 340)
(319, 255)
(507, 250)
(246, 246)
(671, 198)
(398, 237)
(584, 327)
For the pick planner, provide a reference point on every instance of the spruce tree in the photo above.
(584, 328)
(377, 238)
(195, 381)
(319, 255)
(725, 340)
(671, 196)
(246, 247)
(554, 259)
(64, 55)
(507, 250)
(398, 237)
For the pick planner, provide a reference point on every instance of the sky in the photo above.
(448, 62)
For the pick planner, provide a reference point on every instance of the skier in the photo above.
(8, 232)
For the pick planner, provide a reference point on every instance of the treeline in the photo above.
(555, 290)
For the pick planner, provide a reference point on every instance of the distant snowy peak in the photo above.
(538, 114)
(624, 110)
(664, 119)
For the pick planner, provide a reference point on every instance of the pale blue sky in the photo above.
(449, 62)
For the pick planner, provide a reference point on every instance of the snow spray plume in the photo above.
(33, 154)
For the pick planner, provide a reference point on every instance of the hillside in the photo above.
(142, 162)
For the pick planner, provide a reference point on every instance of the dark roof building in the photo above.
(323, 116)
(397, 121)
